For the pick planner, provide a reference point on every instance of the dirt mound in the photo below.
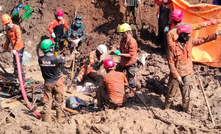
(101, 19)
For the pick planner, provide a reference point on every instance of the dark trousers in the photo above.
(20, 53)
(162, 37)
(130, 73)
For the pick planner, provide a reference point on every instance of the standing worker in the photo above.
(13, 35)
(76, 34)
(164, 21)
(177, 16)
(128, 53)
(53, 83)
(94, 58)
(56, 29)
(131, 6)
(179, 57)
(112, 91)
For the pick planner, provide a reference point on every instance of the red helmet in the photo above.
(60, 13)
(177, 15)
(108, 63)
(184, 28)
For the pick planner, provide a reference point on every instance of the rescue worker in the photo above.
(216, 2)
(180, 63)
(128, 53)
(95, 59)
(131, 6)
(53, 83)
(56, 29)
(13, 36)
(164, 21)
(112, 91)
(177, 16)
(76, 34)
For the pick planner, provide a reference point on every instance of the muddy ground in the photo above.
(101, 19)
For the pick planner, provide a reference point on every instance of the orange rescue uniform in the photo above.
(128, 46)
(172, 36)
(180, 58)
(57, 27)
(113, 83)
(88, 66)
(13, 35)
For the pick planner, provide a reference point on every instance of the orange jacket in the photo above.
(113, 82)
(55, 23)
(172, 35)
(128, 46)
(180, 58)
(13, 36)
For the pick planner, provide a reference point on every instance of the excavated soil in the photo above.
(101, 19)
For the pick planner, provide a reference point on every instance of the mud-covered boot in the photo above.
(185, 105)
(47, 118)
(59, 115)
(168, 104)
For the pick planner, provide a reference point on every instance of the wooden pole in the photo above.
(207, 102)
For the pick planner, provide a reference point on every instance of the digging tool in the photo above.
(72, 70)
(207, 102)
(137, 95)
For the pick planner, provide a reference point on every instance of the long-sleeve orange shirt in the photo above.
(172, 36)
(113, 82)
(13, 35)
(57, 27)
(128, 46)
(180, 58)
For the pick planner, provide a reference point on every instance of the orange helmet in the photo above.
(6, 18)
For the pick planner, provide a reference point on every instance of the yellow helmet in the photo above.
(124, 27)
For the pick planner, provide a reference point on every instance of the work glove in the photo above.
(118, 53)
(166, 29)
(218, 33)
(53, 35)
(1, 34)
(75, 42)
(13, 51)
(139, 1)
(179, 79)
(2, 50)
(125, 4)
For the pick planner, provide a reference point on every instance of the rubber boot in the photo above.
(167, 104)
(59, 115)
(185, 105)
(47, 118)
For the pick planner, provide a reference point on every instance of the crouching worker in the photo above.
(95, 58)
(112, 91)
(53, 86)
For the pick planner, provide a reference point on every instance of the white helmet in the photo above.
(102, 49)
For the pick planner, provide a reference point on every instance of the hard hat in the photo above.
(102, 49)
(78, 19)
(124, 27)
(6, 19)
(184, 28)
(177, 15)
(108, 63)
(60, 13)
(46, 45)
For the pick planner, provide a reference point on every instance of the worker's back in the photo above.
(113, 82)
(50, 68)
